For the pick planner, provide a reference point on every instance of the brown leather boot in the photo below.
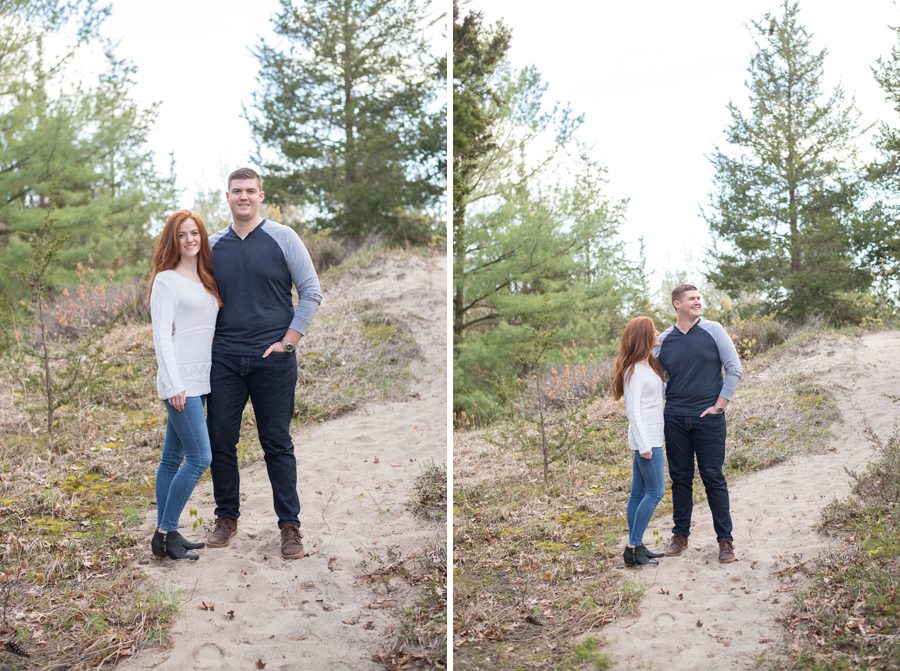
(222, 533)
(677, 545)
(291, 543)
(726, 551)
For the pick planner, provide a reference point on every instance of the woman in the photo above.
(184, 302)
(638, 377)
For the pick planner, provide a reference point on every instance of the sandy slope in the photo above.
(355, 475)
(698, 613)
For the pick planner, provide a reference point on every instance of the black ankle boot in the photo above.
(628, 556)
(641, 558)
(648, 552)
(158, 544)
(175, 537)
(176, 550)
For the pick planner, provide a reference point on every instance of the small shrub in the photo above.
(430, 493)
(755, 335)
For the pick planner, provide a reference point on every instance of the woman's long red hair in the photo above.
(167, 252)
(638, 340)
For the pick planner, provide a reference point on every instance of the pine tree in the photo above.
(787, 189)
(347, 123)
(877, 236)
(477, 51)
(85, 144)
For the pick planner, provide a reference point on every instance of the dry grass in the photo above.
(419, 583)
(538, 566)
(429, 499)
(70, 510)
(847, 616)
(358, 352)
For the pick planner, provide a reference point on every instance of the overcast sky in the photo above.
(195, 58)
(653, 80)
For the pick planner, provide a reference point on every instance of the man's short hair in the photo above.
(245, 173)
(680, 290)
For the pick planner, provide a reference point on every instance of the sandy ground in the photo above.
(697, 613)
(244, 603)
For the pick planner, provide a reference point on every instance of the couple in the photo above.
(225, 329)
(692, 353)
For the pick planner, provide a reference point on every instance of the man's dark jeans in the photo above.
(703, 437)
(269, 384)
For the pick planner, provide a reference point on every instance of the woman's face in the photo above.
(188, 238)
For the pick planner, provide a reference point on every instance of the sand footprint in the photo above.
(209, 656)
(664, 621)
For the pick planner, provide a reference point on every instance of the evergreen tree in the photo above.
(877, 236)
(528, 140)
(85, 145)
(787, 191)
(540, 245)
(347, 123)
(477, 51)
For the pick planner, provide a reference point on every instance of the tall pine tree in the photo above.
(477, 51)
(80, 149)
(787, 188)
(347, 123)
(878, 235)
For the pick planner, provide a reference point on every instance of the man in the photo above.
(256, 262)
(693, 353)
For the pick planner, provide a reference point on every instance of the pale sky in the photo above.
(194, 58)
(653, 80)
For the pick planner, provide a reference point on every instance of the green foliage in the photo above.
(532, 242)
(787, 199)
(347, 122)
(477, 51)
(877, 235)
(84, 144)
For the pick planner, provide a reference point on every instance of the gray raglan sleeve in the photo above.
(731, 362)
(304, 276)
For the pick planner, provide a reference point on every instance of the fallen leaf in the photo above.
(681, 597)
(375, 460)
(699, 623)
(260, 664)
(230, 614)
(369, 625)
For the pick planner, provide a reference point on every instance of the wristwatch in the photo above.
(290, 347)
(719, 410)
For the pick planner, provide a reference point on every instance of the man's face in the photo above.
(244, 198)
(689, 305)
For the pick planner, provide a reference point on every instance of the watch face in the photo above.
(288, 347)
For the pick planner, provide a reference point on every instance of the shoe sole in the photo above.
(675, 554)
(727, 561)
(297, 555)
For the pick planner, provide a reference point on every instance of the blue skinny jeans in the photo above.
(647, 487)
(186, 454)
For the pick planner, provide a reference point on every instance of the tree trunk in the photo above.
(45, 360)
(459, 266)
(350, 176)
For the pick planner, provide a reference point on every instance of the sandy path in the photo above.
(355, 475)
(697, 612)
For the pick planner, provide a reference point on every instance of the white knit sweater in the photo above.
(644, 407)
(184, 314)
